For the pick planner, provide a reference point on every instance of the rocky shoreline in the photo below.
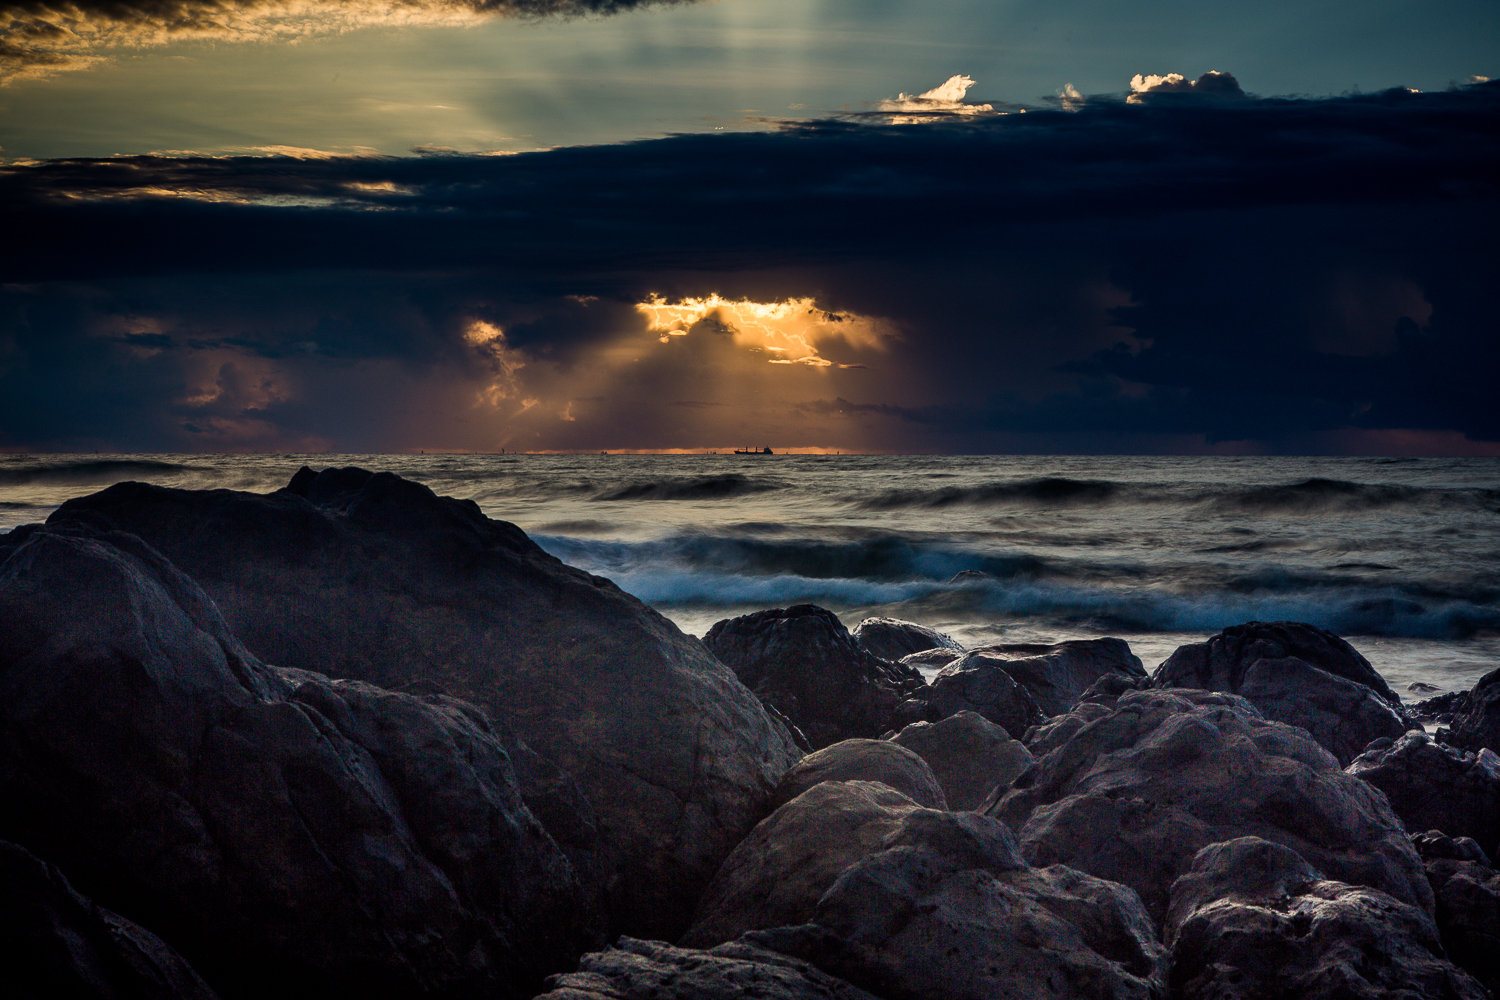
(352, 737)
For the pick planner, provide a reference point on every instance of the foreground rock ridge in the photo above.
(353, 738)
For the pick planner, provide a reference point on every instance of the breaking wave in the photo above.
(89, 471)
(694, 488)
(1044, 491)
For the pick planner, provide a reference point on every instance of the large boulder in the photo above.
(1133, 795)
(375, 578)
(1468, 903)
(947, 910)
(57, 943)
(969, 755)
(976, 682)
(893, 639)
(1057, 674)
(738, 970)
(1096, 702)
(777, 874)
(803, 661)
(1294, 673)
(287, 834)
(1253, 919)
(1434, 787)
(863, 760)
(1476, 716)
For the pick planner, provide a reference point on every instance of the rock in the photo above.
(892, 638)
(1436, 787)
(373, 577)
(980, 684)
(1133, 795)
(1468, 903)
(57, 943)
(863, 760)
(651, 970)
(779, 872)
(1056, 675)
(949, 911)
(1476, 718)
(930, 659)
(287, 834)
(969, 755)
(1253, 919)
(1294, 673)
(803, 661)
(1095, 702)
(1440, 709)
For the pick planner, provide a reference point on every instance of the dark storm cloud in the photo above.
(38, 37)
(1231, 270)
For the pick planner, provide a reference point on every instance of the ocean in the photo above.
(1401, 556)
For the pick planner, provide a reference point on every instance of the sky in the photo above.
(858, 225)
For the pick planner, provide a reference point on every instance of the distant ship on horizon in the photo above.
(751, 451)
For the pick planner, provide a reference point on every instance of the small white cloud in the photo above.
(945, 99)
(1211, 84)
(1071, 99)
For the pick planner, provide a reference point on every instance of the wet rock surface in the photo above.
(1133, 795)
(1476, 717)
(284, 832)
(1252, 919)
(58, 943)
(375, 578)
(803, 661)
(1432, 786)
(979, 683)
(737, 970)
(893, 639)
(1057, 674)
(1467, 888)
(969, 755)
(1294, 673)
(863, 760)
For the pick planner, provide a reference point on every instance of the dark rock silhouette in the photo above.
(863, 760)
(1476, 716)
(287, 834)
(1057, 674)
(1253, 919)
(803, 661)
(1467, 888)
(969, 755)
(976, 682)
(57, 943)
(1133, 795)
(1294, 673)
(1436, 787)
(373, 577)
(893, 639)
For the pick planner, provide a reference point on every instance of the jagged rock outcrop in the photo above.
(969, 755)
(863, 760)
(1476, 717)
(947, 910)
(1432, 786)
(976, 683)
(738, 970)
(1467, 888)
(1133, 795)
(803, 661)
(779, 872)
(1057, 674)
(1294, 673)
(1096, 702)
(893, 639)
(287, 834)
(373, 577)
(57, 943)
(1252, 919)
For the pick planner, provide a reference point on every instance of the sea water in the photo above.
(1399, 555)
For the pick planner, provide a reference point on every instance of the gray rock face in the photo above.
(1056, 675)
(373, 577)
(651, 970)
(57, 943)
(1133, 795)
(1468, 903)
(949, 911)
(969, 755)
(1476, 720)
(892, 638)
(803, 661)
(979, 683)
(1436, 787)
(1253, 919)
(1097, 701)
(287, 834)
(777, 874)
(863, 760)
(930, 659)
(1294, 673)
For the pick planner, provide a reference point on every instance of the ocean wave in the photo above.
(1049, 491)
(88, 471)
(1320, 495)
(720, 487)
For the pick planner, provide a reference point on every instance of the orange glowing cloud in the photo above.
(789, 331)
